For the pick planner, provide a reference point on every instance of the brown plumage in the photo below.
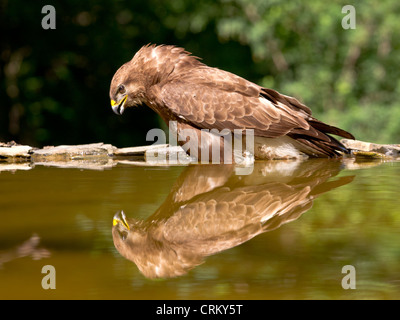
(180, 88)
(210, 209)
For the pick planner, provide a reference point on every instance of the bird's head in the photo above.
(155, 258)
(127, 89)
(128, 236)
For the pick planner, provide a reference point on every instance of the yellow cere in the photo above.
(115, 222)
(123, 221)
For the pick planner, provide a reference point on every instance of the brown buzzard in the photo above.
(180, 88)
(210, 210)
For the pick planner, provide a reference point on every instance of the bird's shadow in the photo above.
(210, 209)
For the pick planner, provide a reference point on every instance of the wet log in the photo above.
(12, 152)
(92, 152)
(100, 155)
(372, 150)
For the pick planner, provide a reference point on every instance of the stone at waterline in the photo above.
(94, 151)
(102, 153)
(372, 150)
(12, 152)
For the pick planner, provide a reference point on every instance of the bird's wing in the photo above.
(211, 98)
(226, 218)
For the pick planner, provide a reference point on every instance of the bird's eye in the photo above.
(121, 89)
(123, 235)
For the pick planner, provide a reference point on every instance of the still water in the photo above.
(202, 232)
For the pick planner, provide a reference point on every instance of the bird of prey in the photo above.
(182, 89)
(210, 209)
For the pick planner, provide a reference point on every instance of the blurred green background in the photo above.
(55, 83)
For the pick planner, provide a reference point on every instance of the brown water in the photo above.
(284, 232)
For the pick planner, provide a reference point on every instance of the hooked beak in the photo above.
(120, 217)
(118, 107)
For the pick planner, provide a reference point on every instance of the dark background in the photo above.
(55, 83)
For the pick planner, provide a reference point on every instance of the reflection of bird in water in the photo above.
(210, 210)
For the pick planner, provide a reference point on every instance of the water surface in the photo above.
(283, 232)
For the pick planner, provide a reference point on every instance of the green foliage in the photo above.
(54, 83)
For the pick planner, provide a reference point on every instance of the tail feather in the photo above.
(326, 128)
(318, 148)
(322, 143)
(316, 139)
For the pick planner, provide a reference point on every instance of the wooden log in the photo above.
(94, 151)
(372, 150)
(16, 153)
